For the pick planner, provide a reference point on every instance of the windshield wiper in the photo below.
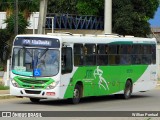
(35, 61)
(43, 53)
(30, 54)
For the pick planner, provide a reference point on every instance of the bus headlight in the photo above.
(52, 85)
(14, 83)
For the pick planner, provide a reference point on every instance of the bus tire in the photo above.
(127, 90)
(34, 100)
(76, 94)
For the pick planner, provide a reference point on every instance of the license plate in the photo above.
(50, 93)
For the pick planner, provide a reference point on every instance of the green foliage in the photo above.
(1, 68)
(122, 17)
(22, 24)
(7, 35)
(62, 6)
(4, 87)
(6, 4)
(30, 5)
(90, 7)
(130, 17)
(4, 47)
(83, 7)
(145, 8)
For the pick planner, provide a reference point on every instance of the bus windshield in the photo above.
(35, 62)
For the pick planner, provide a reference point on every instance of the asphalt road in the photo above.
(147, 101)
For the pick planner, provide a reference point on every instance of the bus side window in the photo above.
(112, 49)
(102, 54)
(78, 54)
(90, 54)
(153, 49)
(67, 64)
(112, 54)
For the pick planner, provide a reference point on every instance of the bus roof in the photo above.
(71, 38)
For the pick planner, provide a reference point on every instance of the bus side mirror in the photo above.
(67, 64)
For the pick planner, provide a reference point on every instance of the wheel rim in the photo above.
(128, 90)
(128, 93)
(76, 93)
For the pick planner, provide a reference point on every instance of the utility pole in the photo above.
(108, 17)
(16, 17)
(42, 16)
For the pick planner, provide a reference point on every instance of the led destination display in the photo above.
(37, 41)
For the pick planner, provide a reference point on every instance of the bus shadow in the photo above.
(109, 98)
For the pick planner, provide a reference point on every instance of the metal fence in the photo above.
(68, 21)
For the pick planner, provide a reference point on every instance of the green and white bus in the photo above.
(58, 66)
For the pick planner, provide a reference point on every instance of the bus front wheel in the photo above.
(34, 100)
(127, 90)
(76, 94)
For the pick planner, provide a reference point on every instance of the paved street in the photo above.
(139, 102)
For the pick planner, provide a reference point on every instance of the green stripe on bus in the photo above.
(36, 83)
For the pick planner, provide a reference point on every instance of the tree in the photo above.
(26, 7)
(22, 23)
(122, 16)
(25, 10)
(90, 7)
(83, 7)
(62, 6)
(130, 17)
(4, 47)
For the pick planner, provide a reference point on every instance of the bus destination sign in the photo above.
(36, 42)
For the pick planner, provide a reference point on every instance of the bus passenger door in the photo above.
(66, 73)
(67, 64)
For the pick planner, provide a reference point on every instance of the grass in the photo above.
(4, 87)
(1, 68)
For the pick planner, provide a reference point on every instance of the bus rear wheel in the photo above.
(34, 100)
(76, 95)
(127, 90)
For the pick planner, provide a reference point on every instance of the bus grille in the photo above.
(32, 92)
(34, 81)
(35, 86)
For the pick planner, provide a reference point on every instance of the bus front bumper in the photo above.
(34, 93)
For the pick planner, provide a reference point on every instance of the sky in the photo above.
(155, 22)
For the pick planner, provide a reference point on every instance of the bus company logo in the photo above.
(21, 114)
(88, 73)
(102, 82)
(6, 114)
